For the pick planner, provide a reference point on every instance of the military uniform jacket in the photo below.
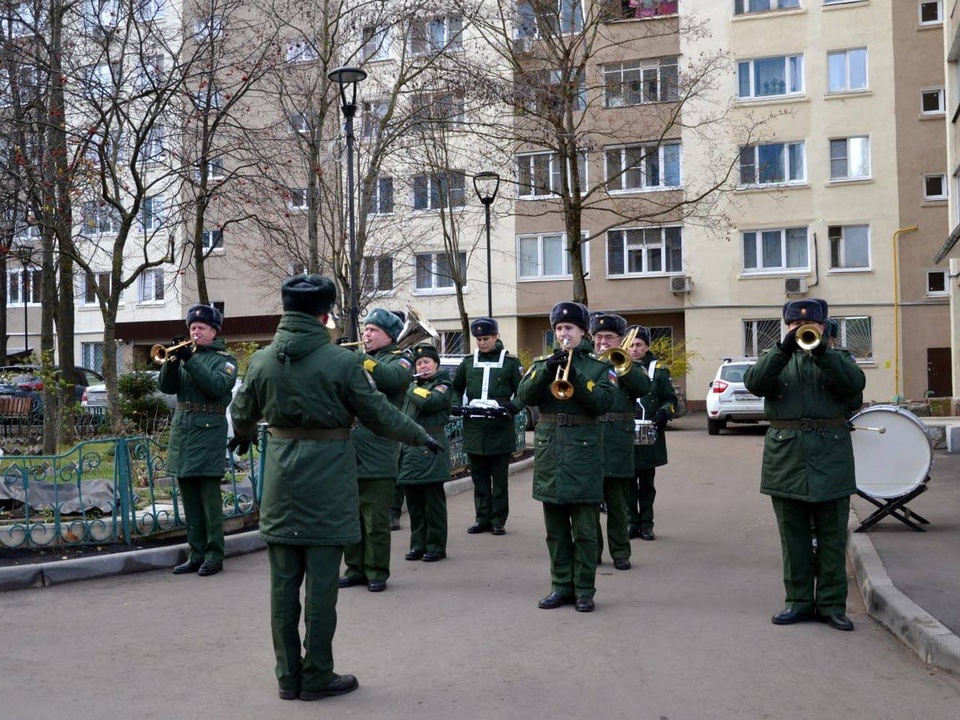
(618, 430)
(567, 458)
(489, 436)
(303, 381)
(428, 402)
(198, 435)
(808, 465)
(391, 370)
(661, 396)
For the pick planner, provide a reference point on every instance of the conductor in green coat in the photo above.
(202, 377)
(309, 390)
(489, 378)
(572, 388)
(808, 464)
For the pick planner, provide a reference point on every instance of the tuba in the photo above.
(416, 329)
(619, 356)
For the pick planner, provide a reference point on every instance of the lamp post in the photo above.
(24, 254)
(347, 79)
(486, 185)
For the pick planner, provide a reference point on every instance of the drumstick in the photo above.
(880, 429)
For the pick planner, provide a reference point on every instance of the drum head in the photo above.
(892, 463)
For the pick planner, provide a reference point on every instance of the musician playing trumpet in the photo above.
(572, 388)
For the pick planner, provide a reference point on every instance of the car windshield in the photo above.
(733, 373)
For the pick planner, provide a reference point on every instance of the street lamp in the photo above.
(486, 185)
(347, 79)
(24, 254)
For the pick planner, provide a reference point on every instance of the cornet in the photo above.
(808, 336)
(160, 354)
(562, 388)
(619, 356)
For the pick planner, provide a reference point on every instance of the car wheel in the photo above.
(715, 426)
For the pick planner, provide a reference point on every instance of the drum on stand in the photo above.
(892, 463)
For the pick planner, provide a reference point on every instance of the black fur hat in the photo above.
(570, 312)
(607, 322)
(812, 310)
(425, 350)
(310, 294)
(207, 314)
(484, 326)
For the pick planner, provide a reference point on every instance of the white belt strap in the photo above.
(486, 365)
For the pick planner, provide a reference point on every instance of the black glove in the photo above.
(820, 349)
(183, 353)
(660, 419)
(432, 445)
(238, 445)
(510, 407)
(456, 411)
(789, 342)
(556, 361)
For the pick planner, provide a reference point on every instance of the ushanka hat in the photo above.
(812, 310)
(570, 312)
(642, 333)
(484, 326)
(607, 322)
(425, 350)
(206, 314)
(386, 320)
(310, 294)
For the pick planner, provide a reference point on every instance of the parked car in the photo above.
(25, 381)
(96, 395)
(728, 400)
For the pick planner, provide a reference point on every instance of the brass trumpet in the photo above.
(562, 388)
(160, 354)
(358, 343)
(619, 356)
(808, 337)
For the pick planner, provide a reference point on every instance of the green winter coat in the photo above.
(488, 436)
(198, 438)
(661, 396)
(808, 465)
(303, 381)
(567, 458)
(391, 370)
(428, 403)
(618, 433)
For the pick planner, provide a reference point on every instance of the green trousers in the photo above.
(370, 558)
(203, 512)
(572, 543)
(641, 497)
(490, 481)
(616, 492)
(307, 664)
(814, 580)
(427, 505)
(397, 507)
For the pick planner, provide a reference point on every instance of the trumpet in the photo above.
(808, 336)
(561, 388)
(160, 354)
(619, 356)
(356, 344)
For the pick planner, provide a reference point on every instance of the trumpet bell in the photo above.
(416, 329)
(808, 337)
(561, 389)
(619, 358)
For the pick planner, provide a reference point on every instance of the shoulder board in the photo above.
(422, 392)
(224, 353)
(398, 352)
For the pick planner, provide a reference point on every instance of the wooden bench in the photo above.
(15, 413)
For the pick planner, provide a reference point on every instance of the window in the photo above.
(22, 285)
(937, 283)
(850, 158)
(639, 167)
(571, 16)
(212, 239)
(931, 12)
(775, 250)
(373, 115)
(380, 201)
(151, 212)
(935, 187)
(149, 75)
(436, 34)
(545, 257)
(770, 77)
(22, 21)
(298, 198)
(640, 81)
(100, 219)
(743, 7)
(452, 343)
(215, 169)
(568, 18)
(549, 93)
(92, 281)
(375, 43)
(378, 273)
(299, 122)
(301, 51)
(849, 246)
(438, 109)
(760, 335)
(847, 70)
(932, 102)
(444, 189)
(435, 272)
(654, 8)
(208, 98)
(856, 335)
(147, 11)
(91, 356)
(538, 174)
(644, 251)
(151, 286)
(210, 27)
(152, 148)
(773, 164)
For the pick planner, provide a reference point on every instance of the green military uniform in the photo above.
(647, 458)
(378, 458)
(489, 441)
(567, 471)
(198, 441)
(808, 468)
(309, 390)
(422, 474)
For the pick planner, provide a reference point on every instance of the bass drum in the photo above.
(892, 463)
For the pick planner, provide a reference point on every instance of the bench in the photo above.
(15, 412)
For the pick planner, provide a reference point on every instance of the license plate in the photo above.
(745, 397)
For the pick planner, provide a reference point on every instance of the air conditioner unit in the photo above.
(680, 284)
(795, 285)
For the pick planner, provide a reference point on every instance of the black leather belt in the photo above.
(201, 408)
(434, 428)
(809, 424)
(616, 417)
(565, 419)
(311, 433)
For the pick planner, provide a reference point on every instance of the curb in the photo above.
(914, 626)
(40, 575)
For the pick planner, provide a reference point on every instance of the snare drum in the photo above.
(892, 463)
(644, 432)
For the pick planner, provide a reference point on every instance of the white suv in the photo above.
(728, 400)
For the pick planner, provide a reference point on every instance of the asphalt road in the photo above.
(684, 634)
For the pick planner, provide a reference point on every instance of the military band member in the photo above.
(608, 330)
(423, 474)
(659, 405)
(202, 377)
(567, 474)
(808, 463)
(489, 378)
(368, 562)
(309, 390)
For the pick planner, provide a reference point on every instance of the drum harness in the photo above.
(484, 407)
